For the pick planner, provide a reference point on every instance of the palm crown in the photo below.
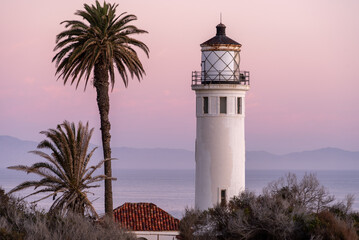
(106, 39)
(65, 171)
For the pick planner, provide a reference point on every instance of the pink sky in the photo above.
(303, 57)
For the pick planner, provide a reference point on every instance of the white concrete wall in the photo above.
(157, 235)
(220, 144)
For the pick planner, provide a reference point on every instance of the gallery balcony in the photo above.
(216, 77)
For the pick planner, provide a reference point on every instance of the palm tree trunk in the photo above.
(101, 84)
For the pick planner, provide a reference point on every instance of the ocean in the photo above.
(173, 190)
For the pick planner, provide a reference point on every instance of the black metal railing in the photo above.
(202, 77)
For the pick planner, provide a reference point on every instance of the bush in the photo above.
(307, 194)
(187, 223)
(286, 209)
(18, 221)
(331, 227)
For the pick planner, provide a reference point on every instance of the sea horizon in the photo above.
(173, 190)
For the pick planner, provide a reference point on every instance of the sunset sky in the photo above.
(303, 57)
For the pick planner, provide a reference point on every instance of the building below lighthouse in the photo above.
(220, 89)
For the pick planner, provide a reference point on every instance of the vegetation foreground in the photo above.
(18, 221)
(286, 209)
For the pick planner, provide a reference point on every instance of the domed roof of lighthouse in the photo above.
(220, 38)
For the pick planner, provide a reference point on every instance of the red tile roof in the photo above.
(145, 217)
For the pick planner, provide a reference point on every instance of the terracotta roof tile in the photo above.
(145, 217)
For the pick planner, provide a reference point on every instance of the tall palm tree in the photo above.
(96, 46)
(65, 175)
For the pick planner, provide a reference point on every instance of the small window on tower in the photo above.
(223, 197)
(239, 105)
(222, 105)
(205, 105)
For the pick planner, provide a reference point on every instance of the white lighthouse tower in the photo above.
(220, 110)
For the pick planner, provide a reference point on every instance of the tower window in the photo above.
(205, 105)
(239, 105)
(223, 105)
(223, 197)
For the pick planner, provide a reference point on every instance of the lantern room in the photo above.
(220, 61)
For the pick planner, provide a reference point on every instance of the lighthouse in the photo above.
(220, 89)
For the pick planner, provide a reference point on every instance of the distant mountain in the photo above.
(319, 159)
(14, 151)
(260, 159)
(149, 158)
(325, 158)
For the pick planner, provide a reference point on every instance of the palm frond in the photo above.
(64, 174)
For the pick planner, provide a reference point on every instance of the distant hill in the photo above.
(14, 151)
(319, 159)
(150, 158)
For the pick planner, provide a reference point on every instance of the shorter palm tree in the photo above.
(64, 175)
